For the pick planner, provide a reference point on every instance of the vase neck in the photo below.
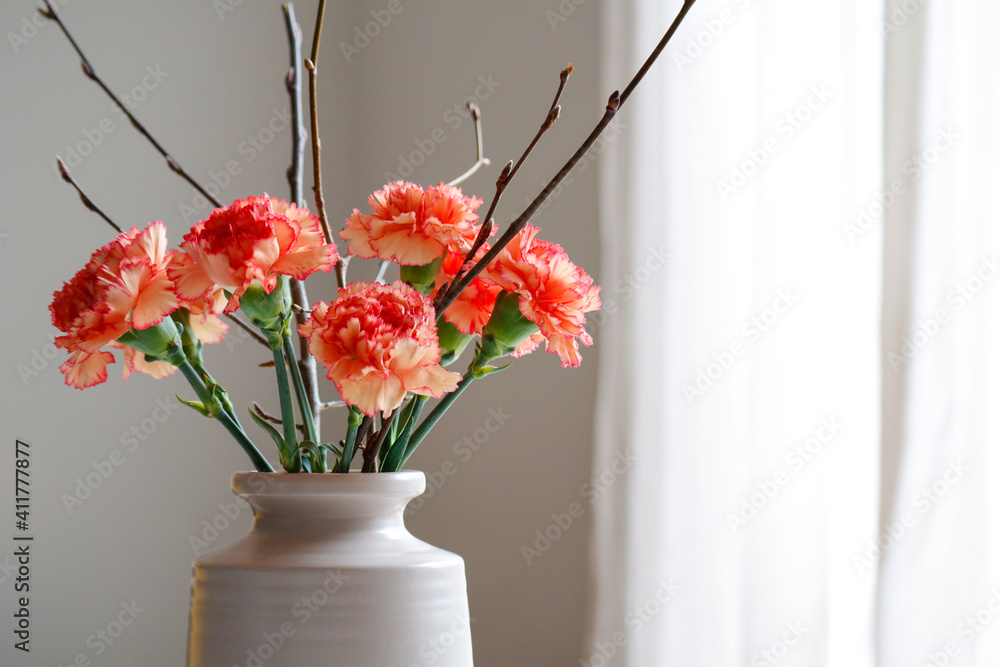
(388, 526)
(286, 501)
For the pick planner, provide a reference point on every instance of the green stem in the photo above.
(435, 415)
(229, 422)
(207, 378)
(354, 420)
(287, 412)
(300, 391)
(394, 459)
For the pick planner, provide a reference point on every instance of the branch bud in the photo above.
(505, 174)
(63, 169)
(613, 102)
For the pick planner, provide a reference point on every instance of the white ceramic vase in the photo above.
(329, 575)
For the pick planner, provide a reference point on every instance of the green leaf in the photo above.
(482, 371)
(337, 450)
(312, 455)
(195, 405)
(393, 458)
(279, 440)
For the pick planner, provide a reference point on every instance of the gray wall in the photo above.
(219, 82)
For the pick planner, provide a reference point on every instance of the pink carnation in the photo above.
(124, 285)
(412, 227)
(379, 342)
(254, 239)
(554, 293)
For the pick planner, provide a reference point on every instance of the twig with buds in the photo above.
(506, 175)
(615, 103)
(300, 299)
(64, 172)
(311, 65)
(89, 203)
(50, 12)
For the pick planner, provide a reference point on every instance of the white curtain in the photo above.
(805, 389)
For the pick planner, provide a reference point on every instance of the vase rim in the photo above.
(281, 482)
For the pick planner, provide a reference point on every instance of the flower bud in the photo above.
(268, 312)
(451, 341)
(421, 278)
(506, 329)
(160, 342)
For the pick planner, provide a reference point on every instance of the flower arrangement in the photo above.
(386, 346)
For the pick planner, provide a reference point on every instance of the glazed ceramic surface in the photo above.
(329, 575)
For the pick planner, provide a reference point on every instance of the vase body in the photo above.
(329, 575)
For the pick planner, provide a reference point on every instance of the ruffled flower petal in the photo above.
(136, 361)
(83, 370)
(124, 285)
(411, 226)
(553, 292)
(250, 242)
(378, 342)
(472, 309)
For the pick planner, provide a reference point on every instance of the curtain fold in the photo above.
(742, 374)
(939, 589)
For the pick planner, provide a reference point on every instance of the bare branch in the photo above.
(293, 83)
(267, 416)
(64, 172)
(380, 278)
(613, 106)
(481, 161)
(508, 174)
(256, 335)
(50, 12)
(300, 299)
(311, 65)
(372, 449)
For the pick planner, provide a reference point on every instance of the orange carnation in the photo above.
(553, 292)
(254, 239)
(471, 310)
(412, 227)
(379, 342)
(124, 285)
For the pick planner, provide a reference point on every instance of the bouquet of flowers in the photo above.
(386, 346)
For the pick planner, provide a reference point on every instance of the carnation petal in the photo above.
(528, 345)
(136, 361)
(151, 243)
(83, 370)
(285, 233)
(399, 244)
(155, 301)
(566, 348)
(208, 328)
(357, 233)
(371, 393)
(435, 381)
(191, 282)
(377, 342)
(303, 263)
